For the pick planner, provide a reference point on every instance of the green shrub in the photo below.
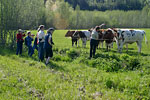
(109, 83)
(61, 58)
(73, 53)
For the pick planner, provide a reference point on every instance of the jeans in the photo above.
(19, 48)
(30, 51)
(35, 47)
(93, 45)
(41, 51)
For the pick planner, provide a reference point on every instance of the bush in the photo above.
(73, 54)
(61, 58)
(109, 83)
(113, 63)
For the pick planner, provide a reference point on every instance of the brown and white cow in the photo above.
(73, 38)
(107, 36)
(84, 35)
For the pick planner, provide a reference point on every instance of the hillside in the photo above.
(71, 76)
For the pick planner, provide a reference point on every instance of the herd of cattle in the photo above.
(110, 35)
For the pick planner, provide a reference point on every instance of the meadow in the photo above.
(72, 76)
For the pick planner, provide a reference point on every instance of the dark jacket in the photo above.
(28, 41)
(47, 45)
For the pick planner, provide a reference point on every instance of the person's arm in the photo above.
(49, 40)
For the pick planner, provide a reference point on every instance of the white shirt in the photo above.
(41, 35)
(94, 35)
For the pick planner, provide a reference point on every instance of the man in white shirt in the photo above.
(41, 39)
(94, 41)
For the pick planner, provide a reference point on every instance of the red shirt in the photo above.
(20, 37)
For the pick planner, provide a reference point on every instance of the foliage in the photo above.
(108, 4)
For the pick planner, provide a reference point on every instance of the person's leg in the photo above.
(17, 48)
(91, 48)
(42, 51)
(32, 51)
(39, 51)
(29, 50)
(21, 44)
(48, 55)
(94, 47)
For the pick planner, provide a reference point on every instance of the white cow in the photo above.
(125, 36)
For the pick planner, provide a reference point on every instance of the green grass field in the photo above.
(72, 76)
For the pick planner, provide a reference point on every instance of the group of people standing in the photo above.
(43, 43)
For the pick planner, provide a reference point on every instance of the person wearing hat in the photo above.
(41, 40)
(94, 41)
(20, 41)
(49, 44)
(28, 42)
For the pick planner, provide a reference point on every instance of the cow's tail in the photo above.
(146, 41)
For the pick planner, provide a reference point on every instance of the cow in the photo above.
(84, 35)
(126, 36)
(109, 38)
(73, 38)
(100, 38)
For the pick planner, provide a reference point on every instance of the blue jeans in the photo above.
(30, 51)
(41, 51)
(19, 48)
(35, 47)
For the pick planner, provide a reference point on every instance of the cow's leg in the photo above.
(107, 46)
(85, 42)
(118, 46)
(139, 44)
(78, 43)
(72, 42)
(127, 47)
(112, 45)
(121, 46)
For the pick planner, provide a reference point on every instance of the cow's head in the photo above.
(119, 34)
(69, 33)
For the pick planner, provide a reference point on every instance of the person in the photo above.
(94, 41)
(20, 41)
(49, 44)
(28, 42)
(41, 40)
(35, 46)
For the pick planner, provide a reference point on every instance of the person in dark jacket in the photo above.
(29, 40)
(49, 44)
(20, 41)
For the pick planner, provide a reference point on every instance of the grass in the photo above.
(71, 76)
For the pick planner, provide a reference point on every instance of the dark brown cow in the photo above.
(100, 37)
(73, 38)
(107, 36)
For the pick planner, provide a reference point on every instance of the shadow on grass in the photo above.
(55, 66)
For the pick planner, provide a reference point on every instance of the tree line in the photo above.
(103, 5)
(29, 14)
